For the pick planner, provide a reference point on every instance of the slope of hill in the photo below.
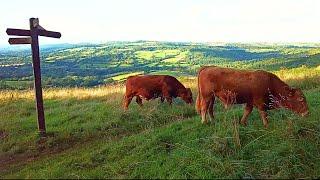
(90, 136)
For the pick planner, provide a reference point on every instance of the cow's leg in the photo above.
(167, 96)
(246, 113)
(204, 109)
(210, 108)
(198, 104)
(126, 101)
(161, 99)
(169, 100)
(139, 101)
(264, 116)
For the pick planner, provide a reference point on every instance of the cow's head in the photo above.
(186, 95)
(295, 101)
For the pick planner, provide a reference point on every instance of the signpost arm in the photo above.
(35, 31)
(37, 75)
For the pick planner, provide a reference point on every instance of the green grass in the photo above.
(92, 137)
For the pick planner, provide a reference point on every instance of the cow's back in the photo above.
(246, 85)
(153, 84)
(146, 82)
(172, 83)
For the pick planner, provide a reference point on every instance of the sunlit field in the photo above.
(303, 77)
(91, 136)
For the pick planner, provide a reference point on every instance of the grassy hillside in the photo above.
(90, 136)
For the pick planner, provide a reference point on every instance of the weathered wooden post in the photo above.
(35, 31)
(34, 23)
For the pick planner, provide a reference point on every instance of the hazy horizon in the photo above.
(204, 21)
(44, 45)
(145, 41)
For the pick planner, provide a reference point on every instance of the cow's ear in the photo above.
(295, 90)
(189, 90)
(298, 91)
(287, 88)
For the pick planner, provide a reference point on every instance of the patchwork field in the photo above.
(99, 64)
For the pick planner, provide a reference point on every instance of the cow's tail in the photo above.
(124, 98)
(198, 104)
(199, 97)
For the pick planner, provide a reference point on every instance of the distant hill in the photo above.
(96, 64)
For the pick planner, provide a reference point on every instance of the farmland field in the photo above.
(90, 136)
(98, 64)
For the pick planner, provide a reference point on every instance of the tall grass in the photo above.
(64, 93)
(303, 77)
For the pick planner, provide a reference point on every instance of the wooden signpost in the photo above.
(32, 38)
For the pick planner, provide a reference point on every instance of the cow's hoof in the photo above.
(204, 122)
(243, 123)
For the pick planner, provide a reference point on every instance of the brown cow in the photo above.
(259, 89)
(154, 86)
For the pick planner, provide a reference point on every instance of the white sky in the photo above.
(167, 20)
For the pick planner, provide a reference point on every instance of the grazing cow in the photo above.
(154, 86)
(259, 89)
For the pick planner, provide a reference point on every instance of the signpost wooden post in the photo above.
(35, 31)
